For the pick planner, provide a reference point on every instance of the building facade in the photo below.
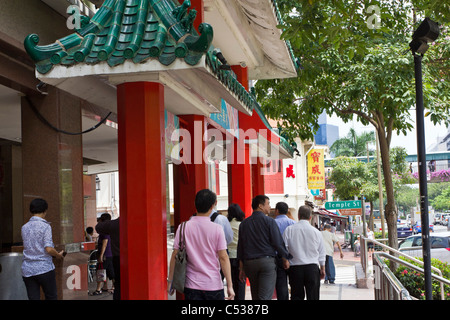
(132, 86)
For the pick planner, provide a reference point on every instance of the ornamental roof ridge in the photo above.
(127, 29)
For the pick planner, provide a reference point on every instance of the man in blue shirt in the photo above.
(216, 217)
(281, 286)
(38, 269)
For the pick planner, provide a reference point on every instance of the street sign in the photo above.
(336, 205)
(350, 212)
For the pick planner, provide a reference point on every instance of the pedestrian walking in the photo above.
(305, 244)
(38, 270)
(283, 221)
(206, 249)
(104, 258)
(370, 236)
(221, 220)
(112, 228)
(330, 239)
(259, 243)
(235, 216)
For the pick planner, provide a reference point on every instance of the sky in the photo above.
(409, 142)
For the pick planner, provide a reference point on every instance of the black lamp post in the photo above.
(428, 31)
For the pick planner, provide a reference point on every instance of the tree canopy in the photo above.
(355, 60)
(354, 145)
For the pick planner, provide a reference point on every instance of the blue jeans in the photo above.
(193, 294)
(330, 271)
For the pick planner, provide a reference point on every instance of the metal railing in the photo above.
(387, 277)
(387, 286)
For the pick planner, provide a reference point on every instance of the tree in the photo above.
(442, 202)
(353, 145)
(348, 177)
(351, 65)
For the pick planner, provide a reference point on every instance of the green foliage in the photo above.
(350, 68)
(414, 281)
(348, 176)
(353, 145)
(353, 66)
(438, 196)
(442, 202)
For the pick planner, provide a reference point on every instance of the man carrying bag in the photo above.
(206, 251)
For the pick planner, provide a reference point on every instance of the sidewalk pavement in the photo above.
(345, 285)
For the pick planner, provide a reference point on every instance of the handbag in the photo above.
(101, 273)
(179, 273)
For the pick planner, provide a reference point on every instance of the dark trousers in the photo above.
(48, 283)
(238, 285)
(262, 274)
(194, 294)
(305, 278)
(281, 286)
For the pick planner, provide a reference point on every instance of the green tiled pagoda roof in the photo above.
(139, 30)
(128, 29)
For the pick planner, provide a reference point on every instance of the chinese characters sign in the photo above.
(316, 169)
(290, 171)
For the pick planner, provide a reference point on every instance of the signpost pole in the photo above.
(363, 213)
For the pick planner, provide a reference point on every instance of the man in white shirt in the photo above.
(305, 244)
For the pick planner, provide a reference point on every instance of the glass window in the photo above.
(407, 243)
(438, 242)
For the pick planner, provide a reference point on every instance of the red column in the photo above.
(200, 8)
(240, 178)
(239, 170)
(241, 74)
(258, 178)
(142, 186)
(191, 175)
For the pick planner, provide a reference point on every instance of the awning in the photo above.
(328, 214)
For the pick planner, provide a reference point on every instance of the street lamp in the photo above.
(428, 31)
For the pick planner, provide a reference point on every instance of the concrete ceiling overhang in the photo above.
(247, 33)
(188, 89)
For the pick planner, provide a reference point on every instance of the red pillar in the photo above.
(191, 175)
(142, 186)
(258, 178)
(200, 8)
(240, 170)
(241, 74)
(240, 178)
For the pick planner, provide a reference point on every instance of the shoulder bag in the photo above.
(179, 274)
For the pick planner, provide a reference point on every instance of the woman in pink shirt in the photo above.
(206, 249)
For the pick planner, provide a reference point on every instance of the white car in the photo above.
(440, 246)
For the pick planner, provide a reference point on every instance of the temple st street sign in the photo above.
(338, 205)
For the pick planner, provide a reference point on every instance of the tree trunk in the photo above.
(390, 208)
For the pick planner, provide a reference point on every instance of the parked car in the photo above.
(403, 230)
(417, 228)
(439, 246)
(445, 218)
(437, 218)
